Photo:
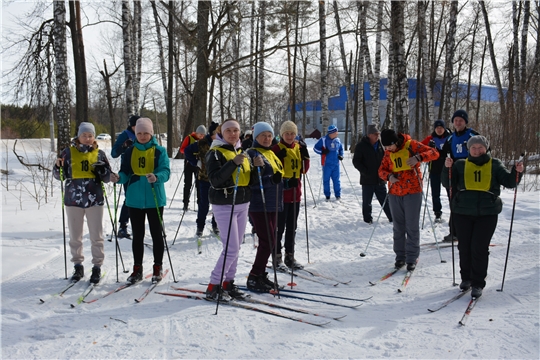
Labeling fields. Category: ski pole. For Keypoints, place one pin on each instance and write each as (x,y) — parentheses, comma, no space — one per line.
(305,212)
(310,189)
(425,206)
(116,202)
(182,218)
(115,213)
(350,182)
(163,231)
(363,254)
(113,225)
(511,224)
(228,233)
(451,223)
(63,218)
(267,227)
(175,190)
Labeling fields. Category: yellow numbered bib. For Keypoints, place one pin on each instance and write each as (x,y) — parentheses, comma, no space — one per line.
(477,177)
(272,159)
(292,163)
(399,158)
(81,163)
(142,161)
(245,169)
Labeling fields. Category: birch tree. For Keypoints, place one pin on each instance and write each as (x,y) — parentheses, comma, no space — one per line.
(323,69)
(260,116)
(127,34)
(426,69)
(401,85)
(449,63)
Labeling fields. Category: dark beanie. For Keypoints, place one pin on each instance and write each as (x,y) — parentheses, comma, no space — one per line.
(438,123)
(213,126)
(133,120)
(389,137)
(462,114)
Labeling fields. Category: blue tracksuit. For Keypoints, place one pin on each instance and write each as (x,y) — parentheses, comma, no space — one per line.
(330,163)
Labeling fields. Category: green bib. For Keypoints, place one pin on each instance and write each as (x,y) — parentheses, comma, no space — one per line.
(477,177)
(81,163)
(399,158)
(245,169)
(292,163)
(142,161)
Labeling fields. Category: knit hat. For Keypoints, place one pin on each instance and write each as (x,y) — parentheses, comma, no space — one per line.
(260,127)
(288,126)
(86,127)
(212,128)
(462,114)
(248,132)
(144,125)
(438,123)
(201,129)
(332,129)
(133,120)
(372,129)
(389,137)
(478,139)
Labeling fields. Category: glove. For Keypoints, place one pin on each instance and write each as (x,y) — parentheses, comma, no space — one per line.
(291,183)
(303,150)
(151,178)
(276,178)
(258,161)
(100,168)
(431,143)
(127,143)
(281,154)
(340,157)
(413,160)
(393,179)
(114,177)
(239,159)
(325,151)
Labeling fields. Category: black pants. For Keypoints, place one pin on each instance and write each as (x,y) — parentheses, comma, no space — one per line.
(137,217)
(190,172)
(124,213)
(474,234)
(367,197)
(287,223)
(204,205)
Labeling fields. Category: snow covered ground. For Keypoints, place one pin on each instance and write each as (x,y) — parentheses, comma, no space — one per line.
(389,325)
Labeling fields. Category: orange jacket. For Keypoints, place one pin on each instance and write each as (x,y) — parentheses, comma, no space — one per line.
(410,181)
(188,140)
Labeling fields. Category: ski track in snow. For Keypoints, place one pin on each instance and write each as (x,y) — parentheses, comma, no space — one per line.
(390,325)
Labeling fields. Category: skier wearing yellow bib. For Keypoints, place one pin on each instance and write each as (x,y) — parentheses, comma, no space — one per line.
(475,207)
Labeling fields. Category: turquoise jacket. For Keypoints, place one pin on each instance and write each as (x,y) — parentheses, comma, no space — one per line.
(139,193)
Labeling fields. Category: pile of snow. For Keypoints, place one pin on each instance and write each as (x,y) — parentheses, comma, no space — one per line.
(389,325)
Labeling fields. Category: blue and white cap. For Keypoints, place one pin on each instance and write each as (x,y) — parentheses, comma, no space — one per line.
(332,129)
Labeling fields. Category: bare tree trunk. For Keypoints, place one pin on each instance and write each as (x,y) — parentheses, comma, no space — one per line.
(346,70)
(449,63)
(401,88)
(524,37)
(170,79)
(61,73)
(390,87)
(324,71)
(494,61)
(479,94)
(426,68)
(376,84)
(236,79)
(127,33)
(252,67)
(107,80)
(161,53)
(471,61)
(81,82)
(137,53)
(295,57)
(260,83)
(200,90)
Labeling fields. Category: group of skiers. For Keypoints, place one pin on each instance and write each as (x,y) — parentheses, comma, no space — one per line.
(261,183)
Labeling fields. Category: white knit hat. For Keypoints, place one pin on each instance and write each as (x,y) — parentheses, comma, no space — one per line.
(144,125)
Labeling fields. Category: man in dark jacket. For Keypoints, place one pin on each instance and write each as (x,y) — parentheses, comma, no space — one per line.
(367,158)
(437,139)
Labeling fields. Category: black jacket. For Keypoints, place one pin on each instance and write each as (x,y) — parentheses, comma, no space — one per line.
(367,160)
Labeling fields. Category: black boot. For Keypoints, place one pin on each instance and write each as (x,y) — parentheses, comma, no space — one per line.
(78,273)
(136,275)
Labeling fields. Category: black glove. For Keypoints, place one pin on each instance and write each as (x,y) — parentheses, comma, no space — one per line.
(127,143)
(276,178)
(431,143)
(291,183)
(303,150)
(281,154)
(340,157)
(325,151)
(100,168)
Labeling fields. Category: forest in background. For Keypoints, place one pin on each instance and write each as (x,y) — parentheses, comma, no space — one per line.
(187,63)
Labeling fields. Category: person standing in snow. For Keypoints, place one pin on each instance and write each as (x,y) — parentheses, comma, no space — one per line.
(122,143)
(456,146)
(367,158)
(475,207)
(401,167)
(331,151)
(84,167)
(262,210)
(145,170)
(190,171)
(195,155)
(437,140)
(229,171)
(294,157)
